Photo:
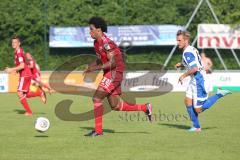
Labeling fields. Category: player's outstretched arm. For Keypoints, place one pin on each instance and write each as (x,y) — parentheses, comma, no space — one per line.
(111,64)
(93,66)
(14,69)
(179,65)
(95,63)
(188,73)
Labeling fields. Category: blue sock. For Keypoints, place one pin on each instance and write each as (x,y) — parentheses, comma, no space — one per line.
(194,116)
(210,101)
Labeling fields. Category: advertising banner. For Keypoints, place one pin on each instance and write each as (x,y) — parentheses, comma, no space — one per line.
(134,35)
(218,36)
(139,81)
(3,83)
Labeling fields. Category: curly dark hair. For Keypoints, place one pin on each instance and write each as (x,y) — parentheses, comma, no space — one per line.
(98,22)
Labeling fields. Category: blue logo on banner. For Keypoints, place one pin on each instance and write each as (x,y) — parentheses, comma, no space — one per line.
(2,88)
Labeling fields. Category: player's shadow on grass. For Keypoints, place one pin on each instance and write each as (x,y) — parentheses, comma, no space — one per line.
(110,130)
(178,126)
(41,136)
(205,128)
(20,111)
(181,126)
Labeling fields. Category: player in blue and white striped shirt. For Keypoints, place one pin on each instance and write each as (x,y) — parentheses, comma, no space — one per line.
(196,99)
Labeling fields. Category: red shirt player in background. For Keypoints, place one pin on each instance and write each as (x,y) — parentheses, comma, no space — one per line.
(110,60)
(25,76)
(36,74)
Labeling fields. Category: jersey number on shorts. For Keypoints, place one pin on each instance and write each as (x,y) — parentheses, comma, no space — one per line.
(105,82)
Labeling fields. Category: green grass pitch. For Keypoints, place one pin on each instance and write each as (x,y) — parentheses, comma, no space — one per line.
(126,136)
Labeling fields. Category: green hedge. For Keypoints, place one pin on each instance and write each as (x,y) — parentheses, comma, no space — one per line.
(30,18)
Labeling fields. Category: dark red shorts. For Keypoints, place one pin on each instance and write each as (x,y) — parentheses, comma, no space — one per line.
(111,82)
(24,84)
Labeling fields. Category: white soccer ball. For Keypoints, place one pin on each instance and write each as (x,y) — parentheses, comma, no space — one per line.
(42,124)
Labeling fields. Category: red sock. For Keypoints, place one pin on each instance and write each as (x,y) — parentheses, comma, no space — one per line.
(124,106)
(98,112)
(34,94)
(24,102)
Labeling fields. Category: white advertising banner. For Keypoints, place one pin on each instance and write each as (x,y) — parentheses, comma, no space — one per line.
(138,81)
(3,82)
(168,82)
(218,36)
(226,80)
(144,81)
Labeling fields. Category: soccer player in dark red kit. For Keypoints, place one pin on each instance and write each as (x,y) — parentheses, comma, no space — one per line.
(25,76)
(110,60)
(36,74)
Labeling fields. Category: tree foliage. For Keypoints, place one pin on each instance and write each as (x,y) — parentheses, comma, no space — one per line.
(28,19)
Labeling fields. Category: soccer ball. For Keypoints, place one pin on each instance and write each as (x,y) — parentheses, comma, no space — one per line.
(42,124)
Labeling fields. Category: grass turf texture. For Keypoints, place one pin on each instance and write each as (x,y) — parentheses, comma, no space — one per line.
(126,136)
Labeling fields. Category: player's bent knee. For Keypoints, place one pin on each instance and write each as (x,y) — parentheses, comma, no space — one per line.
(96,100)
(198,110)
(20,94)
(188,101)
(115,107)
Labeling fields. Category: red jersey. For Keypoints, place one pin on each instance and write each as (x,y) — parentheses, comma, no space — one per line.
(19,57)
(35,69)
(105,45)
